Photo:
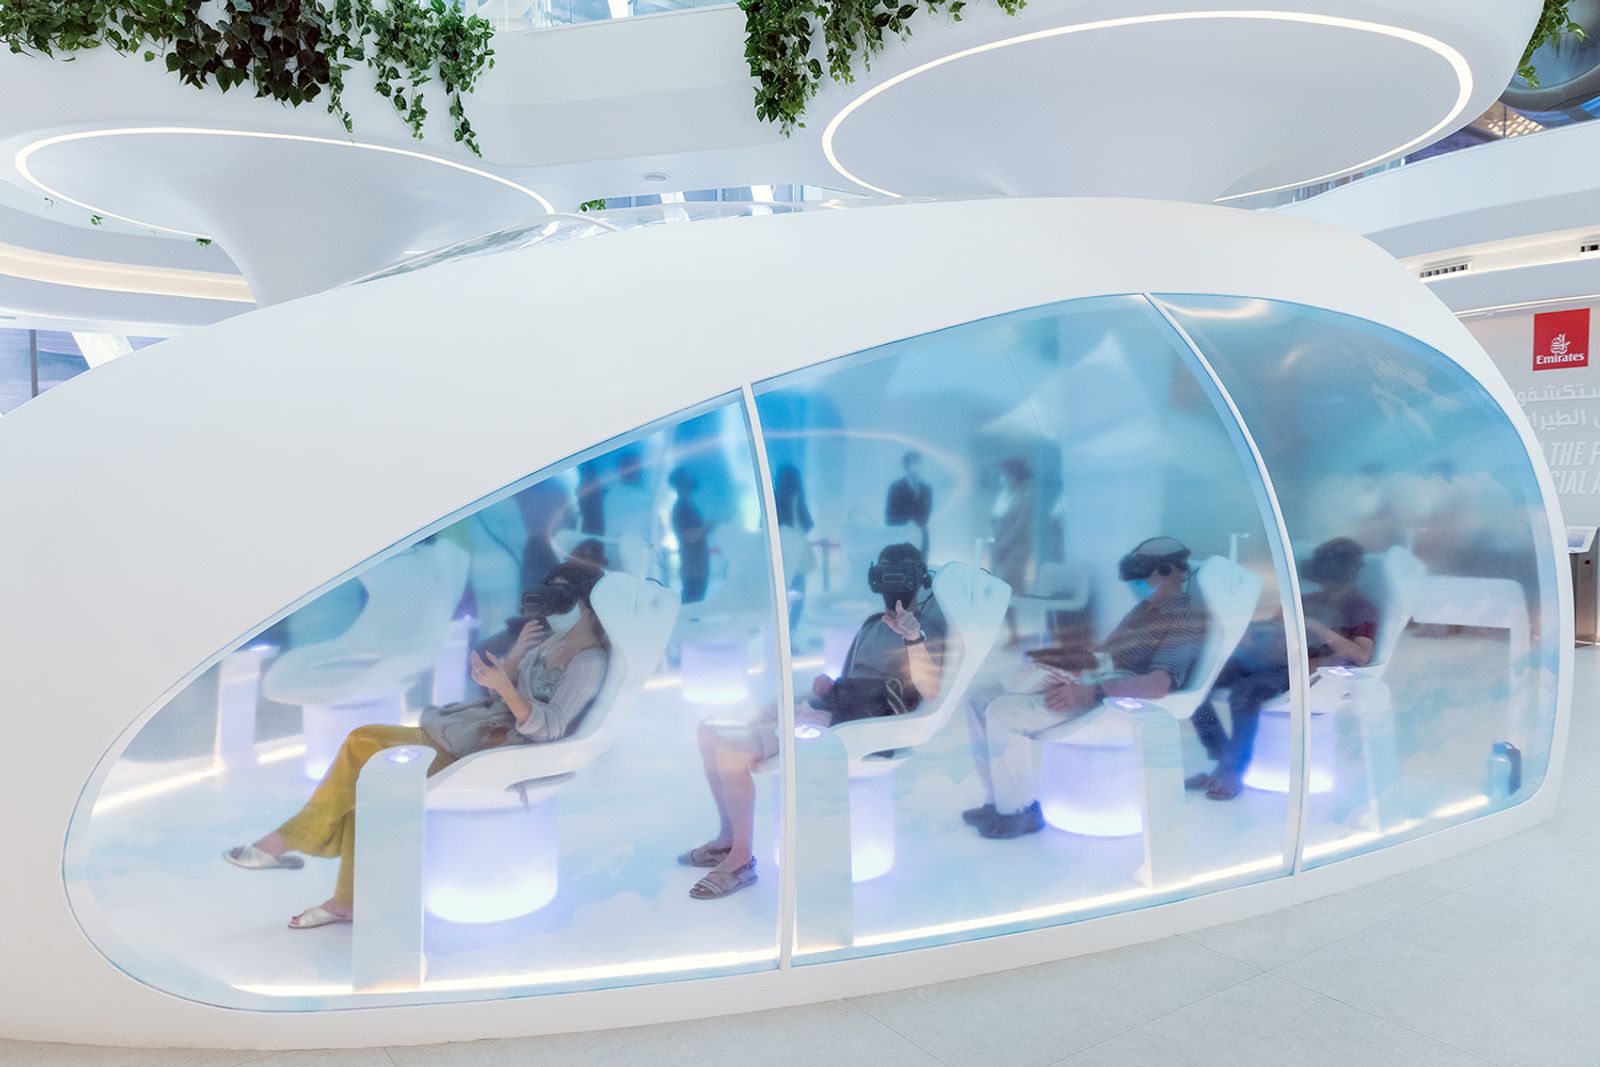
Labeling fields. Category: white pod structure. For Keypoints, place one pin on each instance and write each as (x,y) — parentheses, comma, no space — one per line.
(232,549)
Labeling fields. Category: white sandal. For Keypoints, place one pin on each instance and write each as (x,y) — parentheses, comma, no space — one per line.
(254,859)
(316,916)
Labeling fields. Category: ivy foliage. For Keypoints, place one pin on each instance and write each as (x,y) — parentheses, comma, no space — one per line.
(779,38)
(1555,22)
(592,205)
(293,51)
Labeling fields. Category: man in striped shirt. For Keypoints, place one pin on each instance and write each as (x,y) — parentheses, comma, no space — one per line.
(1150,653)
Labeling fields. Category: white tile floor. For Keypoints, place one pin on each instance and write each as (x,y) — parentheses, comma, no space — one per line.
(1492,957)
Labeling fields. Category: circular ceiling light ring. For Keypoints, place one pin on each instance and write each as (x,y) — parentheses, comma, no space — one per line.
(20,161)
(1449,54)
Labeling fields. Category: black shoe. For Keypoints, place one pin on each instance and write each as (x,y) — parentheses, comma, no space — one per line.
(1030,820)
(979,816)
(1196,782)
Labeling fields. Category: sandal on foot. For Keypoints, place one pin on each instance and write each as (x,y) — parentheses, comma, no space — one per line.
(1224,788)
(254,859)
(705,855)
(316,916)
(721,883)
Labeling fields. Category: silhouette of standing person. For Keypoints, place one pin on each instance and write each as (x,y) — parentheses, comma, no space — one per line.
(910,501)
(694,547)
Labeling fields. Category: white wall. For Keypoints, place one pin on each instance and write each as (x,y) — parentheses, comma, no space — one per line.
(1563,406)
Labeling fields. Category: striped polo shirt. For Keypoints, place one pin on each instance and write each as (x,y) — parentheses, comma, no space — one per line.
(1158,636)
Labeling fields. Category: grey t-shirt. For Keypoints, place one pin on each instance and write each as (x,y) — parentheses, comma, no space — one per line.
(879,654)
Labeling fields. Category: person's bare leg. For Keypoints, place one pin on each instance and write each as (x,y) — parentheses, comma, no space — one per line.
(709,744)
(344,911)
(739,799)
(273,844)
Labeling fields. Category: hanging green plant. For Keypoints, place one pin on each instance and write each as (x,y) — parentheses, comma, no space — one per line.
(1555,22)
(293,51)
(592,205)
(779,35)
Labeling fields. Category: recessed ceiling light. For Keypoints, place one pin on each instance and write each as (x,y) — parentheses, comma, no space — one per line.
(654,176)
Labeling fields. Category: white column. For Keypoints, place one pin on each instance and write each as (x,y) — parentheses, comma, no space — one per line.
(238,692)
(386,940)
(821,867)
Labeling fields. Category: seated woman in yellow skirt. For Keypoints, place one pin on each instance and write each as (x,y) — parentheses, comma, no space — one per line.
(539,691)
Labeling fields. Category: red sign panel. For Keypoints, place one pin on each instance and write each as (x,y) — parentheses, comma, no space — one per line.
(1561,340)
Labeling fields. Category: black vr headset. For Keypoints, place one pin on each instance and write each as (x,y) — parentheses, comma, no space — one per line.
(1157,556)
(900,572)
(555,598)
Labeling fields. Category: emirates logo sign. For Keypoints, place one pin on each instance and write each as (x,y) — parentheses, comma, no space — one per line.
(1561,340)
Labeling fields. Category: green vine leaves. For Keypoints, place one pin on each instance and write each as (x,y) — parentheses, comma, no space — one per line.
(1555,22)
(293,51)
(779,35)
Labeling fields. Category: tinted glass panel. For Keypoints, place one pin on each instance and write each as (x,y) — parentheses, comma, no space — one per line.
(558,728)
(1025,456)
(1410,501)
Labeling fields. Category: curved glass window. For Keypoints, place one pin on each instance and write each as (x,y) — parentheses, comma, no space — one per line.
(1376,441)
(549,818)
(1045,662)
(1099,545)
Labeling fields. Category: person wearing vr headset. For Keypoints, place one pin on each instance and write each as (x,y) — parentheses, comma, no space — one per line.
(1149,654)
(1342,630)
(541,688)
(892,666)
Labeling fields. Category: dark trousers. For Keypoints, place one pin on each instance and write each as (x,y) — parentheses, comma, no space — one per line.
(1248,689)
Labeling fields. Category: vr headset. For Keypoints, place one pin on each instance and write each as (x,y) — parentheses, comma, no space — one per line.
(556,598)
(900,577)
(1153,558)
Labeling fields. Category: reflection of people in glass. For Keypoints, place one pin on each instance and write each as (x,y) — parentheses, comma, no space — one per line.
(591,550)
(541,689)
(892,666)
(694,547)
(629,506)
(1341,628)
(1012,521)
(591,499)
(910,501)
(1149,654)
(545,508)
(794,528)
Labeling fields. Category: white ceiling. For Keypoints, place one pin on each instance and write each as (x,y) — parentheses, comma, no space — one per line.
(1169,98)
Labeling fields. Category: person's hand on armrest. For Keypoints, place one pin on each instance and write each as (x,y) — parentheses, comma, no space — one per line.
(1069,697)
(1152,686)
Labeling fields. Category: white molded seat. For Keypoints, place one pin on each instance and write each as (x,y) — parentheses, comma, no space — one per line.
(973,603)
(638,616)
(1229,594)
(1392,581)
(1140,739)
(492,852)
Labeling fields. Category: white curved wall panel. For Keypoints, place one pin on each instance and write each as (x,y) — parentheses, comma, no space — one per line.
(179,499)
